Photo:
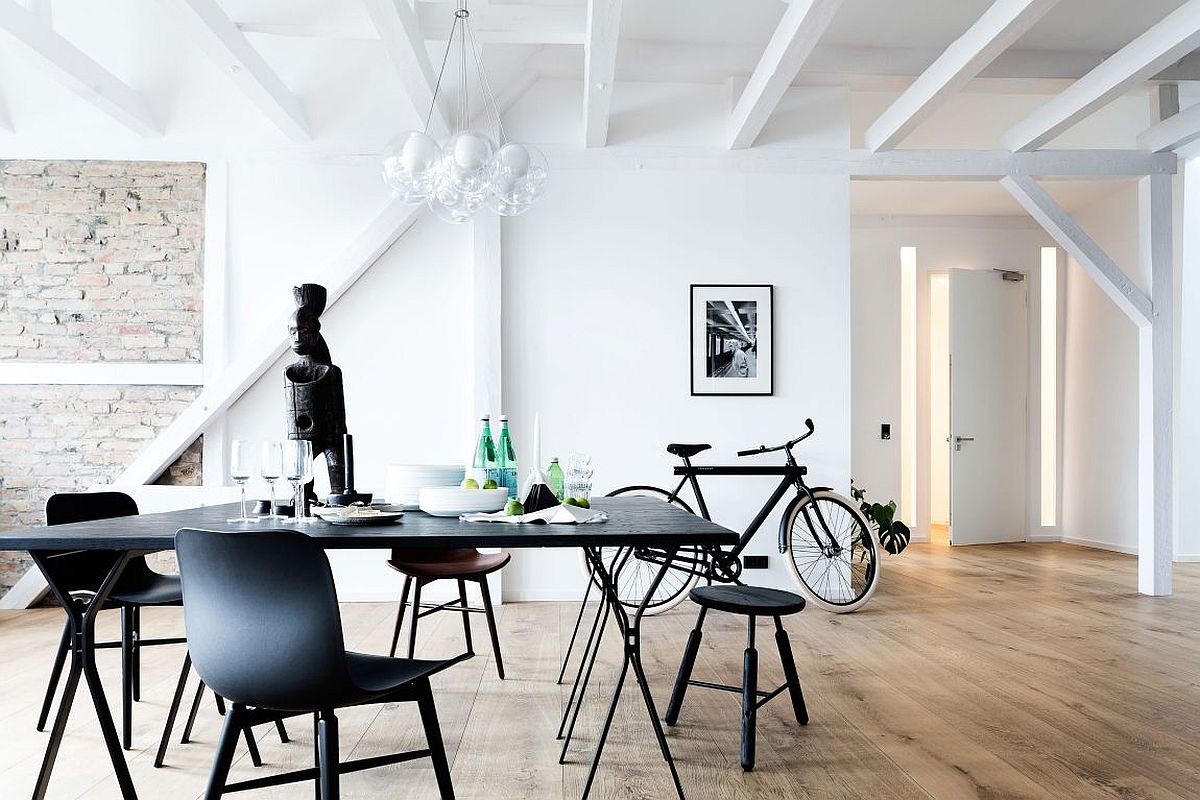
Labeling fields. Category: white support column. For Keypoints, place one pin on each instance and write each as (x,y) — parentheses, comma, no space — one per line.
(485,299)
(1156,386)
(599,68)
(215,330)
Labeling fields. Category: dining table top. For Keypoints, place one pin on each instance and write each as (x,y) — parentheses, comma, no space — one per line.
(632,521)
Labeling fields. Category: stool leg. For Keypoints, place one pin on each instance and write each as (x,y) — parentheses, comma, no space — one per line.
(789,672)
(400,614)
(490,614)
(749,698)
(416,614)
(685,670)
(466,615)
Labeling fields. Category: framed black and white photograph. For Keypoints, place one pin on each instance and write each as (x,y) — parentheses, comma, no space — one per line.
(731,339)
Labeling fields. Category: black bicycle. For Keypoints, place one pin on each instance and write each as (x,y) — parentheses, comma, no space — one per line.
(832,549)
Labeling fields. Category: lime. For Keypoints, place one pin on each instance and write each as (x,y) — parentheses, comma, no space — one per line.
(582,502)
(514,508)
(489,484)
(469,483)
(570,501)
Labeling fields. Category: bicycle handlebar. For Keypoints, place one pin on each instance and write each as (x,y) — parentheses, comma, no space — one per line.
(762,448)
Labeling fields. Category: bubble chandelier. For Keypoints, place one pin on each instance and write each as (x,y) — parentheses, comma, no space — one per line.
(471,170)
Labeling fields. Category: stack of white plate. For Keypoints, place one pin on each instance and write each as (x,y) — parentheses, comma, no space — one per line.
(405,481)
(450,501)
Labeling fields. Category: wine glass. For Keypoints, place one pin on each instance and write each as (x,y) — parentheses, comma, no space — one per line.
(241,457)
(270,469)
(298,469)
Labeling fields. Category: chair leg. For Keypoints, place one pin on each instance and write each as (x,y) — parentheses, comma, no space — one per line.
(789,673)
(466,615)
(282,731)
(127,638)
(220,703)
(675,704)
(60,658)
(400,614)
(173,712)
(749,698)
(490,614)
(191,720)
(223,758)
(416,615)
(136,678)
(327,739)
(252,746)
(433,734)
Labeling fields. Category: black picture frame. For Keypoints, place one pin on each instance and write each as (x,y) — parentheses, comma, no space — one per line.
(757,303)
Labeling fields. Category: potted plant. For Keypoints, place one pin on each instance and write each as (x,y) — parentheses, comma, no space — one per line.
(893,534)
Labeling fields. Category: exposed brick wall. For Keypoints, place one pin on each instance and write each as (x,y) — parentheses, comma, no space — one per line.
(99,261)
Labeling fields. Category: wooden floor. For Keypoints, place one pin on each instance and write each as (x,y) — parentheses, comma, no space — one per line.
(996,672)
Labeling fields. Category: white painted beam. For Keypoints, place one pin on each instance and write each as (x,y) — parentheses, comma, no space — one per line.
(798,32)
(1173,132)
(504,23)
(599,68)
(76,70)
(398,27)
(1002,24)
(257,355)
(207,24)
(1156,386)
(1162,45)
(1072,238)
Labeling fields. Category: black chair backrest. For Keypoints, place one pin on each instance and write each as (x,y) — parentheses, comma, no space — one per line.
(86,569)
(262,618)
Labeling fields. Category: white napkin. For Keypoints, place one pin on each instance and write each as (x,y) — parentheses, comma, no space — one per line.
(555,515)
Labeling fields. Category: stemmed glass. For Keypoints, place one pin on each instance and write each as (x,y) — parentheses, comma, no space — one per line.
(241,458)
(298,469)
(270,469)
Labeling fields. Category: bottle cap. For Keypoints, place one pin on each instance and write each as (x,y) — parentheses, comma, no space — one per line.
(485,418)
(554,460)
(504,417)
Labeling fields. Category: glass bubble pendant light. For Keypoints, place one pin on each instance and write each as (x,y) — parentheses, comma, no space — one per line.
(471,170)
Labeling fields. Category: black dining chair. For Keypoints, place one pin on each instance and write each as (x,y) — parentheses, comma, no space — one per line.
(138,587)
(264,631)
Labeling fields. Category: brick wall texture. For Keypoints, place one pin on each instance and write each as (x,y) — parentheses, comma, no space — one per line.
(99,261)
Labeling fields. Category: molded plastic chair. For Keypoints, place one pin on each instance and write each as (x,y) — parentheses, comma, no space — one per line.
(139,586)
(265,633)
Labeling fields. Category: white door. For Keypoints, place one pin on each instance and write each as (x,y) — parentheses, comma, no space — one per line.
(989,376)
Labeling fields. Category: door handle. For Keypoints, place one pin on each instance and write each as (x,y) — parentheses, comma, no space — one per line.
(958,440)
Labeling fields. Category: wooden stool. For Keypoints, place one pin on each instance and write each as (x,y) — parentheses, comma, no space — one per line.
(753,602)
(461,564)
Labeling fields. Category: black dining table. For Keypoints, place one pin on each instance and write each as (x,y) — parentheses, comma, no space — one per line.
(635,526)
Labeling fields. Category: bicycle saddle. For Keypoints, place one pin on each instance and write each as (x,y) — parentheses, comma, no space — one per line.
(687,450)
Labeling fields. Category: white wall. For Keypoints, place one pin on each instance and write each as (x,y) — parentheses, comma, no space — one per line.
(942,243)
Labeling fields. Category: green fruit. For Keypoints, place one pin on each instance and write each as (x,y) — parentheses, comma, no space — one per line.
(489,484)
(570,501)
(582,502)
(513,508)
(469,483)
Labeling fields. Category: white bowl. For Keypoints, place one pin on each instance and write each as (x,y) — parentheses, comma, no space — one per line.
(405,481)
(450,501)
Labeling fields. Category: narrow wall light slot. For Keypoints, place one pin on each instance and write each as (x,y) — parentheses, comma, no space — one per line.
(908,383)
(1049,388)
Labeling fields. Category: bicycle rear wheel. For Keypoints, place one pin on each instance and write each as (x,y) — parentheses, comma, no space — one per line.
(838,579)
(636,576)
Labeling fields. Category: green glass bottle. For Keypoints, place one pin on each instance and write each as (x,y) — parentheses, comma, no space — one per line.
(554,479)
(506,459)
(483,467)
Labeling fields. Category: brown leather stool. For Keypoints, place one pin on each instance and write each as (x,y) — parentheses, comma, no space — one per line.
(460,564)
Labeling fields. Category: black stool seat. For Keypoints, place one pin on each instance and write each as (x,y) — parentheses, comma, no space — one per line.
(687,450)
(755,600)
(153,590)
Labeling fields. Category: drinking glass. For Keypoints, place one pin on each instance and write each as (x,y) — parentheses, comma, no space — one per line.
(241,457)
(298,469)
(270,469)
(579,476)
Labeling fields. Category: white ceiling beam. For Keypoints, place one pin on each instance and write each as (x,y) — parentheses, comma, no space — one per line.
(207,24)
(76,70)
(798,32)
(599,68)
(1173,132)
(398,27)
(503,23)
(1004,22)
(1170,40)
(1111,279)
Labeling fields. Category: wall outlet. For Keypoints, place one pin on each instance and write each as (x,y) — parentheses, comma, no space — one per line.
(754,562)
(885,430)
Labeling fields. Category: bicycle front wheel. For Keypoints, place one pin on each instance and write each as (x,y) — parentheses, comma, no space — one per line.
(635,577)
(832,551)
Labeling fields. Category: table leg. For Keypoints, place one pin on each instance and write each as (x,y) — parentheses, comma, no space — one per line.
(632,657)
(83,663)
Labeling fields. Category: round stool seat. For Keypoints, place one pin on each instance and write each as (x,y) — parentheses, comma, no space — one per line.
(453,563)
(757,600)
